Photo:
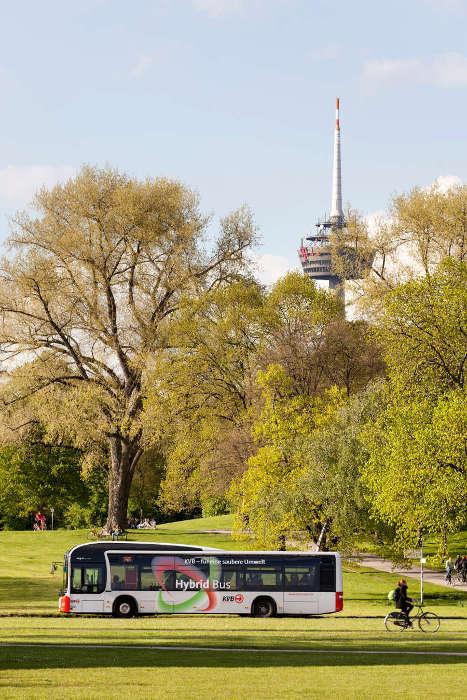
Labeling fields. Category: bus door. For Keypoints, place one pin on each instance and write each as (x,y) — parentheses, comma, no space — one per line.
(301,586)
(87,583)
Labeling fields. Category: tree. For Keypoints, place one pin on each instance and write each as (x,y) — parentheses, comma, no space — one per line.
(296,317)
(416,471)
(97,278)
(423,330)
(334,457)
(198,396)
(269,496)
(350,356)
(36,476)
(418,231)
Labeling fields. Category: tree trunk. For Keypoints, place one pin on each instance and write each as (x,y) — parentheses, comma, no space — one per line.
(124,456)
(321,543)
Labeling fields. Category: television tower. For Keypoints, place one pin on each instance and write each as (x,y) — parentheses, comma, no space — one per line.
(316,256)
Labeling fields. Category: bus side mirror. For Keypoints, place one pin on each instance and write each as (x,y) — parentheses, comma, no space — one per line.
(53,567)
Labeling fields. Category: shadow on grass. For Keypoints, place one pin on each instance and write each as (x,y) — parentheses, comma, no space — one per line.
(50,657)
(27,590)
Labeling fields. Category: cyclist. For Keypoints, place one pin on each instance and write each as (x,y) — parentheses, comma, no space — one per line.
(403,602)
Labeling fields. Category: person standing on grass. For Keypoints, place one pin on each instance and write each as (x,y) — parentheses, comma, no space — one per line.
(448,570)
(403,602)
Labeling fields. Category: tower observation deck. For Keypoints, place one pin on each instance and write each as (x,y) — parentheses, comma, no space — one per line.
(316,255)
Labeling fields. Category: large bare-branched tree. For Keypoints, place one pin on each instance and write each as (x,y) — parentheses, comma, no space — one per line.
(86,298)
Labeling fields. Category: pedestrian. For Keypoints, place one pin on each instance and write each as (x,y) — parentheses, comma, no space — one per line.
(448,570)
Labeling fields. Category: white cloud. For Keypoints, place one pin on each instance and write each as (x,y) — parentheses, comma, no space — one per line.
(378,71)
(450,70)
(444,183)
(374,220)
(219,8)
(143,63)
(269,268)
(445,70)
(19,183)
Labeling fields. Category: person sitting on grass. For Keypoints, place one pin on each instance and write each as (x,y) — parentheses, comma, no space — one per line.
(403,602)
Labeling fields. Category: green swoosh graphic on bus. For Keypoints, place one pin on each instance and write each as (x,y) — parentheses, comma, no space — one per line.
(185,605)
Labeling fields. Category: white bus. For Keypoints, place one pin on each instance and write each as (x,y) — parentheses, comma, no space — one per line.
(124,579)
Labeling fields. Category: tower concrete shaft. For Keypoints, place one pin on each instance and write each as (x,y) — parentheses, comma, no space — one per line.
(337,213)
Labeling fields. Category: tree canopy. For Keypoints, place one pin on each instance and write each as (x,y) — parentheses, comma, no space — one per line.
(89,294)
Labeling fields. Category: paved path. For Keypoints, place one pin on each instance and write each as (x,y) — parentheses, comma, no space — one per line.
(230,650)
(429,575)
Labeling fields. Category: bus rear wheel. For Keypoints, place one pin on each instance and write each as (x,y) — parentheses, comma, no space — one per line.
(124,606)
(263,607)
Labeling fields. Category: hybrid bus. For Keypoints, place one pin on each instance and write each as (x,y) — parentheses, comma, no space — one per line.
(124,579)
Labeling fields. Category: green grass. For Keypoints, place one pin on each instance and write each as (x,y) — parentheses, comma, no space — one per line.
(457,544)
(40,670)
(320,667)
(26,585)
(214,522)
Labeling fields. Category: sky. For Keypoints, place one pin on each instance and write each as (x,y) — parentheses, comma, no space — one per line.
(235,98)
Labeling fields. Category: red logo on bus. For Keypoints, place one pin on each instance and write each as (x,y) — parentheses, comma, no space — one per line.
(239,598)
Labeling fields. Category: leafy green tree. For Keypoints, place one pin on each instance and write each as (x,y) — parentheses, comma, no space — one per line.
(93,285)
(416,473)
(37,476)
(199,392)
(334,457)
(423,330)
(295,319)
(269,497)
(350,356)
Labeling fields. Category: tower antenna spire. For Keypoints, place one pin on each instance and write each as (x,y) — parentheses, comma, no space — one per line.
(337,213)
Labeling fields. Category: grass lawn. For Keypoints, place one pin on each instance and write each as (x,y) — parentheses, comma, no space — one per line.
(285,657)
(457,544)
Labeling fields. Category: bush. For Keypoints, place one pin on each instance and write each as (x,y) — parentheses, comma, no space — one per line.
(215,505)
(77,517)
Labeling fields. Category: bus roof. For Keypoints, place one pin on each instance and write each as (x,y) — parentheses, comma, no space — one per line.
(104,546)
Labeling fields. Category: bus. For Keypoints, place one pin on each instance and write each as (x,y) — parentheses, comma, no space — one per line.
(125,579)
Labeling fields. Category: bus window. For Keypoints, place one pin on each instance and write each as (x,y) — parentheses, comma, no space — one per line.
(123,573)
(328,574)
(302,578)
(88,578)
(266,578)
(195,572)
(229,579)
(148,581)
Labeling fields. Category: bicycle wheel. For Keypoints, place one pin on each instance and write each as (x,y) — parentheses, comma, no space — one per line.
(394,622)
(429,622)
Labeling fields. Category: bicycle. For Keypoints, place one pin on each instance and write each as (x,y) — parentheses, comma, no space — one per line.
(396,621)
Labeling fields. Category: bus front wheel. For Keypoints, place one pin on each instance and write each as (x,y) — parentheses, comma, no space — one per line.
(263,607)
(124,607)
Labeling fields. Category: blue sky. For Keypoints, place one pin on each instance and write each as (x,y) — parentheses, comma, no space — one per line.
(236,99)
